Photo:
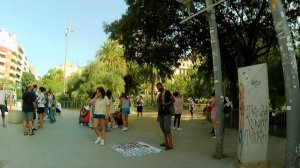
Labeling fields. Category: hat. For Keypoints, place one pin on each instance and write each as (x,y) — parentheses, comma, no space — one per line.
(86,107)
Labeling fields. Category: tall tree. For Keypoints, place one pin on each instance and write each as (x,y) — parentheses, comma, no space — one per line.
(26,79)
(151,34)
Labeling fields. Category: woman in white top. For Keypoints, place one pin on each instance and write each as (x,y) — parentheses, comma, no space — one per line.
(41,106)
(178,105)
(102,106)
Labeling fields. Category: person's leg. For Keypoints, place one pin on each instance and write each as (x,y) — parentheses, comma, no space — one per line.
(126,119)
(175,118)
(103,132)
(168,134)
(40,117)
(95,126)
(25,124)
(178,120)
(30,121)
(214,126)
(3,115)
(123,119)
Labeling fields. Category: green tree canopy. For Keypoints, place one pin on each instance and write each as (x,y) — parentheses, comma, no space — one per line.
(26,79)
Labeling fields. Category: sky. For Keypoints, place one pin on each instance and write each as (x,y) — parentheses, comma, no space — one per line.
(40,27)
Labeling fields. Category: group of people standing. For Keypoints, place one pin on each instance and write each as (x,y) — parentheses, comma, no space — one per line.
(41,102)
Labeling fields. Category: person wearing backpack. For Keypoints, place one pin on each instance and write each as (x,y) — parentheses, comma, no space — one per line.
(165,102)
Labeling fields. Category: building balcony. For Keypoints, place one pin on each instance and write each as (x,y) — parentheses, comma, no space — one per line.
(3,60)
(3,53)
(2,68)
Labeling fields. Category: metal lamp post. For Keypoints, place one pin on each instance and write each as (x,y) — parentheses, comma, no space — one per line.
(217,70)
(67,34)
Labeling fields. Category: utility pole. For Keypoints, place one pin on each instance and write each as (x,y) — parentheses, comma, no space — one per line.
(291,82)
(217,71)
(217,77)
(67,34)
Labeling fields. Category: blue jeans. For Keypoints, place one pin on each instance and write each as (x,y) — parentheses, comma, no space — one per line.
(52,115)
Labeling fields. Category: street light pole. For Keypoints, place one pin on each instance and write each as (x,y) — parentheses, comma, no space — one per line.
(217,78)
(67,34)
(217,70)
(291,82)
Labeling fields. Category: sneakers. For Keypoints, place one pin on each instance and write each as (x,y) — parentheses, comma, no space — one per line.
(179,129)
(115,126)
(174,128)
(98,140)
(102,142)
(125,129)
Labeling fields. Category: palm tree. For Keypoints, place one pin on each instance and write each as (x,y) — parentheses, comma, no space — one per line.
(112,54)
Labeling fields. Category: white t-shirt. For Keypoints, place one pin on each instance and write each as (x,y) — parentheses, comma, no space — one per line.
(100,106)
(59,106)
(178,105)
(3,93)
(41,100)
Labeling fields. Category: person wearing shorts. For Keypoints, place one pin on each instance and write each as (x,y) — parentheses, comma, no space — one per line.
(3,95)
(125,106)
(102,107)
(165,101)
(28,108)
(139,107)
(41,106)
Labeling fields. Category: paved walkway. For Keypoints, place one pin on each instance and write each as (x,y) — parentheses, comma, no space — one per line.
(66,144)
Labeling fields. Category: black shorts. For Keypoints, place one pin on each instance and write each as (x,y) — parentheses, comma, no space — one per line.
(3,109)
(41,110)
(139,109)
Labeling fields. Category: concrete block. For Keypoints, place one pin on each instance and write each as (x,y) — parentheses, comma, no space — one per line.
(15,116)
(238,164)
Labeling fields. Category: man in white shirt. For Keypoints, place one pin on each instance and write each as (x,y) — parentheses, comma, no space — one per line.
(3,95)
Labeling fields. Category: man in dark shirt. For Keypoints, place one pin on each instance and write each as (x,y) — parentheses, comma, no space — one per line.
(28,109)
(165,101)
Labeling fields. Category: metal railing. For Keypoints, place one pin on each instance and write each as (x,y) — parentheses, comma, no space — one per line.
(71,104)
(277,121)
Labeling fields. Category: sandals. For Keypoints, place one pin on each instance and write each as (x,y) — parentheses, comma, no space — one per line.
(169,147)
(162,144)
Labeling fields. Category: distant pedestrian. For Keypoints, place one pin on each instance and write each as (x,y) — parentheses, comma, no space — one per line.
(125,107)
(191,106)
(139,108)
(52,109)
(41,106)
(92,109)
(178,105)
(111,110)
(165,101)
(58,108)
(28,108)
(3,95)
(47,105)
(227,106)
(102,107)
(213,114)
(34,90)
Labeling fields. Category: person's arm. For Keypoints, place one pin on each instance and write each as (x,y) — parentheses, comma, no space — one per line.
(34,105)
(172,100)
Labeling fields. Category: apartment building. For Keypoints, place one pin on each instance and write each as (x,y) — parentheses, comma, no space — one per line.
(13,61)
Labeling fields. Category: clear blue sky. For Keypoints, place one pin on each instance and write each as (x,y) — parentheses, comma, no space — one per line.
(40,28)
